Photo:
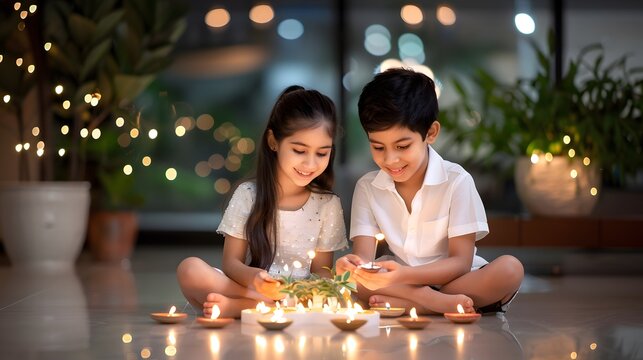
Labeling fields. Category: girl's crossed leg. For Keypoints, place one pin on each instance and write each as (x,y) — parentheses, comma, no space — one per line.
(204,286)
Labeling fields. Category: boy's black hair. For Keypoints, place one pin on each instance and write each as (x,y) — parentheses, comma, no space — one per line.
(398,97)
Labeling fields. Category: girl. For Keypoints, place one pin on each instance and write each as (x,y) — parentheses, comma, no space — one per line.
(286,222)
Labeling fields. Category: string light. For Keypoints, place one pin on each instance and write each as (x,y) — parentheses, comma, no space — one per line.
(147,161)
(566,139)
(96,133)
(171,174)
(153,133)
(84,132)
(64,129)
(549,157)
(33,8)
(573,173)
(571,153)
(586,161)
(1,58)
(133,133)
(35,131)
(40,152)
(58,89)
(593,191)
(66,104)
(6,98)
(40,145)
(120,121)
(23,14)
(179,131)
(16,6)
(61,152)
(534,158)
(127,169)
(19,148)
(47,46)
(26,146)
(19,62)
(31,68)
(88,98)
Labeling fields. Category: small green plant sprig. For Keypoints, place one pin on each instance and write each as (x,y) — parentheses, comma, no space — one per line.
(305,289)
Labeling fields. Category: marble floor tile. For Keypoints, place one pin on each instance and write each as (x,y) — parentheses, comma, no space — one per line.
(98,311)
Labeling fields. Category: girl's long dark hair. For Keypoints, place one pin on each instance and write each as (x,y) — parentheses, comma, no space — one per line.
(295,109)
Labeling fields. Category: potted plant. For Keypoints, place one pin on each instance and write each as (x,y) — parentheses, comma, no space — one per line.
(567,137)
(79,63)
(317,289)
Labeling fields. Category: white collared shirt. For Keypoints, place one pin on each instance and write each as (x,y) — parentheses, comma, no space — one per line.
(447,205)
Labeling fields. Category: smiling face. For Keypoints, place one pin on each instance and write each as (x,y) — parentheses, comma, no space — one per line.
(402,153)
(302,156)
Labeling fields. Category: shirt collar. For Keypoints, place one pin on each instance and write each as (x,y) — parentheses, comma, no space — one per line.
(435,173)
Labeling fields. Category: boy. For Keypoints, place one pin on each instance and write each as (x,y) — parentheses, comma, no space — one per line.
(427,208)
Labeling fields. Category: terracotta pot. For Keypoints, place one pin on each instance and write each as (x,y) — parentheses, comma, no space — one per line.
(112,235)
(548,188)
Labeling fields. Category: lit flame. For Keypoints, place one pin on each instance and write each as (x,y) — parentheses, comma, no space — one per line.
(358,308)
(311,254)
(413,313)
(300,308)
(172,310)
(388,306)
(278,316)
(262,308)
(460,309)
(310,304)
(215,312)
(379,236)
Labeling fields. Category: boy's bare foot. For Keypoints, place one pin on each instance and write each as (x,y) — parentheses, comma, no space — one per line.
(230,307)
(395,302)
(431,302)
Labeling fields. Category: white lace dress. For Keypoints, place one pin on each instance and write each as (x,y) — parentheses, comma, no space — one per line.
(318,225)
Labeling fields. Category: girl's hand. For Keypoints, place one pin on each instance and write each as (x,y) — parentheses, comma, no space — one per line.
(347,263)
(393,273)
(267,285)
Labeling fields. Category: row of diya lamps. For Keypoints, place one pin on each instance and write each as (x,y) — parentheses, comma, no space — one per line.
(347,323)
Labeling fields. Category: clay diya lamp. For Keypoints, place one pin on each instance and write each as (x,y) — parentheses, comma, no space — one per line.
(414,322)
(214,322)
(348,324)
(389,311)
(370,267)
(461,317)
(276,322)
(171,317)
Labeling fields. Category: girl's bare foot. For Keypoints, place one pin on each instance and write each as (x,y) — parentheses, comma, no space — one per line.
(229,307)
(431,302)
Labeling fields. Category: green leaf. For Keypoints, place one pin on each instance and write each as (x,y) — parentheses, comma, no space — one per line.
(107,25)
(128,87)
(94,57)
(81,29)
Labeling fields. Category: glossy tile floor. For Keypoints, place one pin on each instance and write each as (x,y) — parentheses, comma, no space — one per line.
(94,311)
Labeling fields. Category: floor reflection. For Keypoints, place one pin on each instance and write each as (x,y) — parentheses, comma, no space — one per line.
(43,312)
(100,311)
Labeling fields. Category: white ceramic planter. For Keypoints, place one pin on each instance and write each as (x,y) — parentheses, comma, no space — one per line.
(547,187)
(44,223)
